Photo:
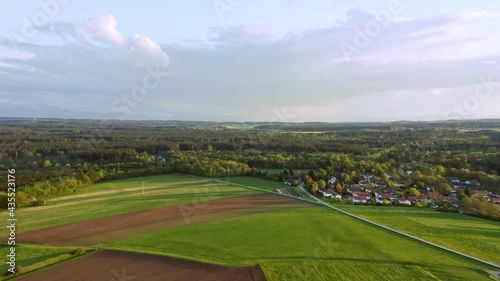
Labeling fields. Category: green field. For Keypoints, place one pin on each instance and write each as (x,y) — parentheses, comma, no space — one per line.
(28,254)
(267,185)
(308,244)
(313,243)
(474,236)
(108,199)
(255,182)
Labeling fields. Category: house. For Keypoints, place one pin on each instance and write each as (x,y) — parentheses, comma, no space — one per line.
(482,192)
(384,196)
(409,173)
(291,179)
(495,200)
(336,195)
(333,180)
(328,193)
(363,183)
(360,197)
(414,199)
(404,201)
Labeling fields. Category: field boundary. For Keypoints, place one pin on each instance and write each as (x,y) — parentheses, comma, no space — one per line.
(320,202)
(400,232)
(132,266)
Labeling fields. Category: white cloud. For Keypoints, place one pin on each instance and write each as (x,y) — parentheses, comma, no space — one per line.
(148,52)
(412,67)
(104,28)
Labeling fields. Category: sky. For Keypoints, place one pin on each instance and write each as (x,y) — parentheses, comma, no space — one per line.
(242,60)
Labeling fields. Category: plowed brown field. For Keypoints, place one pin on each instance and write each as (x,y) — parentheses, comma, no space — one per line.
(120,266)
(96,231)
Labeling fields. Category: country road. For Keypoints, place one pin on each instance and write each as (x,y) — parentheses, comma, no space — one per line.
(320,202)
(301,186)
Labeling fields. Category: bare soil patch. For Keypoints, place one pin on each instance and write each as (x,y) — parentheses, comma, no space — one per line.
(116,265)
(96,231)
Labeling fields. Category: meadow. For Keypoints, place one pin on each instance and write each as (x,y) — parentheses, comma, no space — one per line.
(311,243)
(124,196)
(255,182)
(474,236)
(30,254)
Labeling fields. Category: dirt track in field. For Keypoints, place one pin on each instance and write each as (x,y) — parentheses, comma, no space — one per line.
(115,265)
(121,190)
(97,231)
(100,193)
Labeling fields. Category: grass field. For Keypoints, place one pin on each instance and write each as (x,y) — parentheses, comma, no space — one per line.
(113,198)
(267,185)
(474,236)
(308,244)
(255,182)
(28,254)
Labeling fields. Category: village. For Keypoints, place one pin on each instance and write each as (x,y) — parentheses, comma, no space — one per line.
(371,190)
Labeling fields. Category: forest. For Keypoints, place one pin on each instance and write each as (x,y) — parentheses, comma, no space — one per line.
(54,156)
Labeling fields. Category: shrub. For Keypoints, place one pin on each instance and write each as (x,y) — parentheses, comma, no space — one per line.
(39,203)
(79,251)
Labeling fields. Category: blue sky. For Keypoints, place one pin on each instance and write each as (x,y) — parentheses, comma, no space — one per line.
(241,60)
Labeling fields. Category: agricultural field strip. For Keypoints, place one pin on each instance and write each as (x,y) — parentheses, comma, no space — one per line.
(117,190)
(123,196)
(97,209)
(100,265)
(319,201)
(91,232)
(263,190)
(275,240)
(400,232)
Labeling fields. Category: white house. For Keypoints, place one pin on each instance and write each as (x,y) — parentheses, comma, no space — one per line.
(404,202)
(326,192)
(332,180)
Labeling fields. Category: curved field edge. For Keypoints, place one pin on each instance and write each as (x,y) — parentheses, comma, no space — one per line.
(308,242)
(127,265)
(177,189)
(31,258)
(475,236)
